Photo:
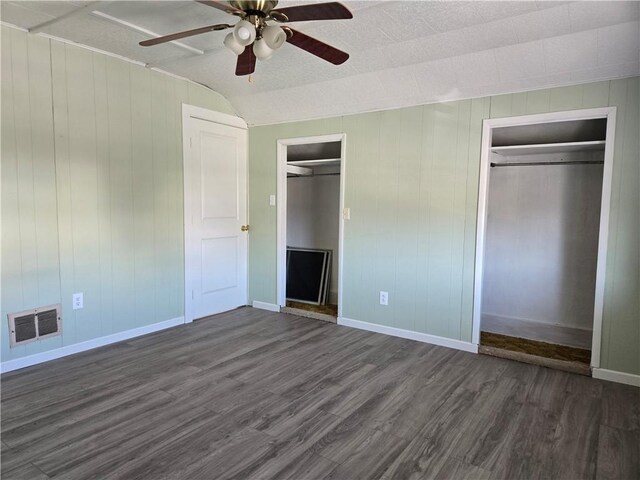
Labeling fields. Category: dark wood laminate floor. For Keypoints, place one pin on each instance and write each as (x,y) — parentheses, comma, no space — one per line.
(255,394)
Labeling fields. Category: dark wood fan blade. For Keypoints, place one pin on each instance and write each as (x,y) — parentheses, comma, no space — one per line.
(224,6)
(187,33)
(317,48)
(316,11)
(246,62)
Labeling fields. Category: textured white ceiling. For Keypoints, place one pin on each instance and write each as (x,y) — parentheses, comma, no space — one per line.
(402,53)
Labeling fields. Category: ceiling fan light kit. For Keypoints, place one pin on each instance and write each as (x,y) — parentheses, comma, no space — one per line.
(264,39)
(244,33)
(274,36)
(261,50)
(271,38)
(232,44)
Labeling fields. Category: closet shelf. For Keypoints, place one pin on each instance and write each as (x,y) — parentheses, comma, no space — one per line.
(317,162)
(549,148)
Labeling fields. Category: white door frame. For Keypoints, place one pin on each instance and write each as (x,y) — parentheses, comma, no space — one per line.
(189,112)
(281,237)
(487,126)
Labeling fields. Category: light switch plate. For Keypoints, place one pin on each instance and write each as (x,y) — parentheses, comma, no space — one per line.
(272,200)
(346,213)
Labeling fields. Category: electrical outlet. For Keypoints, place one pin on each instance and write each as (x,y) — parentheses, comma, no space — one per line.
(346,213)
(384,298)
(78,301)
(272,200)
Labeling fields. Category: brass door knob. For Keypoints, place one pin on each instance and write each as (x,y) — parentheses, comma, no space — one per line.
(244,228)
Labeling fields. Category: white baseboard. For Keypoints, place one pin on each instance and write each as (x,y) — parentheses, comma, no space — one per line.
(272,307)
(411,335)
(23,362)
(618,377)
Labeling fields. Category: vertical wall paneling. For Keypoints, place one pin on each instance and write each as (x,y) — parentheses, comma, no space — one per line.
(441,246)
(159,175)
(362,156)
(458,228)
(386,219)
(520,103)
(423,228)
(178,96)
(408,189)
(46,227)
(500,106)
(103,193)
(24,166)
(63,187)
(596,94)
(262,251)
(80,132)
(538,101)
(621,334)
(122,233)
(565,98)
(145,282)
(618,94)
(412,186)
(82,183)
(91,188)
(12,298)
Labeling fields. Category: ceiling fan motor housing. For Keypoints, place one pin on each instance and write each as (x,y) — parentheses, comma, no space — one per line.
(255,7)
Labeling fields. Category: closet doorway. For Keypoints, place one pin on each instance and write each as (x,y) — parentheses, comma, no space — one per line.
(310,224)
(543,218)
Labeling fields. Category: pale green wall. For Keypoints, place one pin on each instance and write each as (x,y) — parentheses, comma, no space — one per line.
(91,188)
(412,186)
(92,199)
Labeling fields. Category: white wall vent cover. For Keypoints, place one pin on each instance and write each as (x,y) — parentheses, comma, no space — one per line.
(30,325)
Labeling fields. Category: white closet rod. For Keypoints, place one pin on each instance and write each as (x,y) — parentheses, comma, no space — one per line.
(313,175)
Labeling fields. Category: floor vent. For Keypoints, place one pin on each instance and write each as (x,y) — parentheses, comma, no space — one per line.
(35,324)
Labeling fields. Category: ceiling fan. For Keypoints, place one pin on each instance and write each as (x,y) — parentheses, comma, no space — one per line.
(253,38)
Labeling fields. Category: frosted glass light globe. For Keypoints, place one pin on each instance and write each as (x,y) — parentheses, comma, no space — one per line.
(244,32)
(261,50)
(274,36)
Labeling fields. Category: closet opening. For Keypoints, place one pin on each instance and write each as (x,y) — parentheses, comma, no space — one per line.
(310,226)
(545,187)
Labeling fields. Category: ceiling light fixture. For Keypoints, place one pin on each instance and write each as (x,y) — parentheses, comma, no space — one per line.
(231,43)
(266,39)
(244,33)
(261,50)
(270,39)
(274,36)
(263,39)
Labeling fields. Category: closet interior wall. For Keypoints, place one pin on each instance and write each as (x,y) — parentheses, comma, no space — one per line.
(313,215)
(542,246)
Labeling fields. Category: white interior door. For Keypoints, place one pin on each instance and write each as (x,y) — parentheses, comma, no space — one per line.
(215,215)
